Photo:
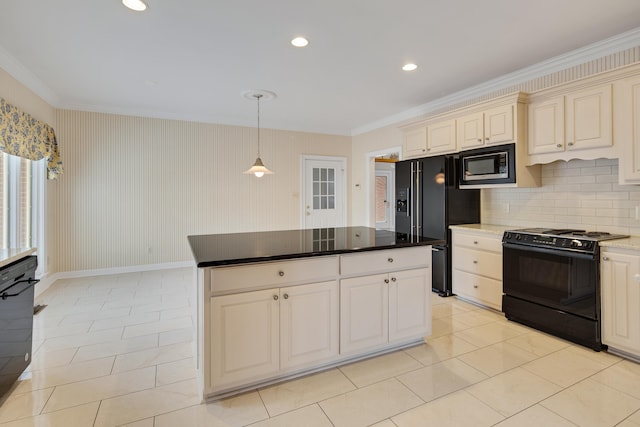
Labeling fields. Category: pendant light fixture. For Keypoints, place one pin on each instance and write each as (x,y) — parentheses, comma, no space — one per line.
(258,168)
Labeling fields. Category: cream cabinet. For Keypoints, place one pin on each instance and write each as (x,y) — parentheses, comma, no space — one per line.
(477,267)
(256,335)
(428,140)
(493,126)
(441,137)
(414,142)
(385,298)
(620,300)
(627,128)
(380,309)
(576,121)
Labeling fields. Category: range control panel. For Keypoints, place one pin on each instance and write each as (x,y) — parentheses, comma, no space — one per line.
(555,242)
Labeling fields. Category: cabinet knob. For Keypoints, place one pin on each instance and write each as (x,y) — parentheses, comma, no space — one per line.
(393,279)
(390,259)
(475,242)
(559,145)
(475,286)
(475,262)
(423,150)
(605,258)
(386,280)
(285,296)
(487,139)
(570,144)
(479,139)
(275,297)
(281,273)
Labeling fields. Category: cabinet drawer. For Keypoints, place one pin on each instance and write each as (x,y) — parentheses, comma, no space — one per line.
(484,263)
(385,260)
(481,289)
(273,274)
(477,242)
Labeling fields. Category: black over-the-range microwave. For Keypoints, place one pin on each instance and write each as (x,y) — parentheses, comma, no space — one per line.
(488,166)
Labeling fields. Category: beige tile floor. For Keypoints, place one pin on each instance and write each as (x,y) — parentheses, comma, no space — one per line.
(117,351)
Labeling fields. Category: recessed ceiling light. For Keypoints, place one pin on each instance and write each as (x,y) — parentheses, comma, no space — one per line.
(300,42)
(409,67)
(137,5)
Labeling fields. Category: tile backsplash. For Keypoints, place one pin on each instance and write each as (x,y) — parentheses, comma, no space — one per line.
(577,194)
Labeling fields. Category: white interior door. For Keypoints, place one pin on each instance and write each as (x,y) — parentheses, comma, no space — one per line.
(324,188)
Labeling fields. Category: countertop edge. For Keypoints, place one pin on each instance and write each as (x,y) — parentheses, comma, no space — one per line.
(8,256)
(484,228)
(240,261)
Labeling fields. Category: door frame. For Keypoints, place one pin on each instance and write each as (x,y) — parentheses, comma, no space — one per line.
(391,184)
(303,175)
(371,181)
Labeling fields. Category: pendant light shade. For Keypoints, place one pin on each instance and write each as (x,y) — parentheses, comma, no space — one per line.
(258,169)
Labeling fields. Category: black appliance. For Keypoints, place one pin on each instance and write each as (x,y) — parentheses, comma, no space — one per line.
(551,281)
(428,201)
(16,319)
(488,166)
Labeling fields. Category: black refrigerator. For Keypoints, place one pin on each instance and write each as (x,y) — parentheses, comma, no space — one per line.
(428,201)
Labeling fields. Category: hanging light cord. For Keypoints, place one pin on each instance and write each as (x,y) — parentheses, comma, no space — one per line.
(258,96)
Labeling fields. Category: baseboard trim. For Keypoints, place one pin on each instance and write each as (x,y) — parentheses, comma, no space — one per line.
(49,279)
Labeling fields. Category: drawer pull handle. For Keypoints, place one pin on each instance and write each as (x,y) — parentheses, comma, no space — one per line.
(281,273)
(393,279)
(390,259)
(386,280)
(285,296)
(275,297)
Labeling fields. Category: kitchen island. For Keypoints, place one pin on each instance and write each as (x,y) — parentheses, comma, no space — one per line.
(280,304)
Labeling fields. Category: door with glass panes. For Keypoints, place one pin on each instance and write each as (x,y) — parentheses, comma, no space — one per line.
(324,192)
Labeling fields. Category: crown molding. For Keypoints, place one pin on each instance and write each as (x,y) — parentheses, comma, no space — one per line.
(27,78)
(576,57)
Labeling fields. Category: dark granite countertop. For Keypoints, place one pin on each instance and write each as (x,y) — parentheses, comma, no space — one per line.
(212,250)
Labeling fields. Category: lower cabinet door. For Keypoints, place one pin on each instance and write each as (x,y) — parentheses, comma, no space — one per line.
(309,326)
(409,304)
(621,301)
(364,308)
(244,337)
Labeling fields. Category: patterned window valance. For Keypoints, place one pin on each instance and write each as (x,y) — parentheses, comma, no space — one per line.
(22,135)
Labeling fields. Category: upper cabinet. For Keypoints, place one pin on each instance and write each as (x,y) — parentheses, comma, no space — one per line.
(429,140)
(414,142)
(498,121)
(494,126)
(575,125)
(441,137)
(627,128)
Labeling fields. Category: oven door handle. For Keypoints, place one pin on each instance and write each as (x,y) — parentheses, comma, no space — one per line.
(4,294)
(562,252)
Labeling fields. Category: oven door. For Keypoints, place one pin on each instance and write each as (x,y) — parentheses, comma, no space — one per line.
(559,279)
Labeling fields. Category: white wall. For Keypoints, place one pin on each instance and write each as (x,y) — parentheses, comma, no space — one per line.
(134,188)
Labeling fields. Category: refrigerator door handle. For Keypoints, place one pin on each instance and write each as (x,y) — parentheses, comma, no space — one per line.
(412,202)
(435,249)
(418,224)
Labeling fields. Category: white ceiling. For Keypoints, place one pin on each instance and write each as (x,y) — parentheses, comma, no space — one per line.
(192,59)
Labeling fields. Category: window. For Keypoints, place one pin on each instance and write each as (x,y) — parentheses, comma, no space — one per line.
(21,195)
